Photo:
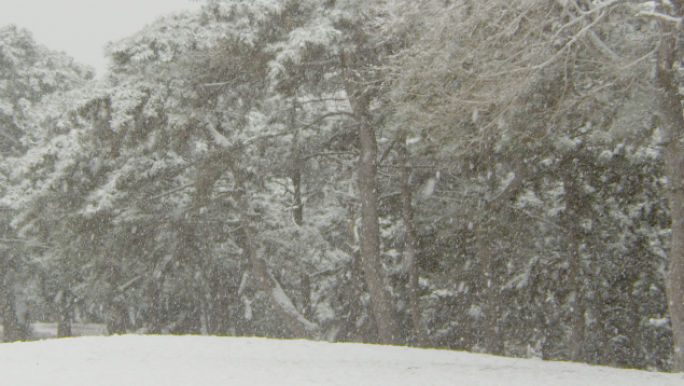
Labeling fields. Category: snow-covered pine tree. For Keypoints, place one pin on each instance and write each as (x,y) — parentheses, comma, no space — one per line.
(29,73)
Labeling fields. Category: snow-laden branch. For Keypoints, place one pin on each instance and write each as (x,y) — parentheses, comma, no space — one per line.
(305,127)
(129,283)
(220,139)
(28,243)
(677,21)
(600,7)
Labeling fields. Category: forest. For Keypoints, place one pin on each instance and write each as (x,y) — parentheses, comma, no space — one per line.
(496,176)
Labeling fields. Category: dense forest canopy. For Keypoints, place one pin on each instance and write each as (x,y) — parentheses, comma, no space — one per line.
(493,176)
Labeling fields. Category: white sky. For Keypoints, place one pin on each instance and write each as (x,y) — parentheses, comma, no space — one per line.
(81,28)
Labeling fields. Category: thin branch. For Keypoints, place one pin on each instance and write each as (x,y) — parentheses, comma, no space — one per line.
(329,153)
(530,215)
(634,63)
(602,46)
(28,243)
(129,283)
(677,21)
(409,166)
(172,191)
(305,127)
(320,62)
(576,38)
(512,187)
(387,151)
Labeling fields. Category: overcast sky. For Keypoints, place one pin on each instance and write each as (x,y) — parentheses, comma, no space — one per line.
(81,28)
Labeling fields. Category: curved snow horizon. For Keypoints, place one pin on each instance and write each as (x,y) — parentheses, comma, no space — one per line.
(202,360)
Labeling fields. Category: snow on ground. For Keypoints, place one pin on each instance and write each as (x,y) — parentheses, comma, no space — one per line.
(129,360)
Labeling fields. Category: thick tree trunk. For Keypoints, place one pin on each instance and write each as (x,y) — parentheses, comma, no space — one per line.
(672,128)
(358,328)
(381,300)
(295,322)
(410,235)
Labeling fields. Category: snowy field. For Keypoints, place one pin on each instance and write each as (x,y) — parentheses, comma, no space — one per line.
(199,360)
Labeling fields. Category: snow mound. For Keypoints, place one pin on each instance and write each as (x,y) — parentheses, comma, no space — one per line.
(201,360)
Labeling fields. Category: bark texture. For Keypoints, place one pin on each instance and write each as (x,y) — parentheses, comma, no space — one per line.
(410,234)
(672,128)
(381,300)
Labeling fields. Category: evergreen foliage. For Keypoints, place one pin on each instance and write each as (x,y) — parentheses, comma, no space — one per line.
(488,176)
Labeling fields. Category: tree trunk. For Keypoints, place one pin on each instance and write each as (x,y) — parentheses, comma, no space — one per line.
(492,336)
(297,172)
(297,182)
(296,322)
(116,317)
(221,293)
(574,272)
(410,235)
(64,313)
(493,341)
(243,319)
(672,127)
(13,330)
(305,284)
(357,315)
(157,316)
(381,300)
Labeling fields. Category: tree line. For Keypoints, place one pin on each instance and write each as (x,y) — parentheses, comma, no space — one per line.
(500,177)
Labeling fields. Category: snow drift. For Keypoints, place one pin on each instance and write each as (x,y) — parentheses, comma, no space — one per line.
(201,360)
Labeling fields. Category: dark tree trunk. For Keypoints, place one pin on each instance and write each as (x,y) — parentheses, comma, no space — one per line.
(672,127)
(357,315)
(381,300)
(219,309)
(13,329)
(116,314)
(297,172)
(305,284)
(410,235)
(297,182)
(370,235)
(64,313)
(156,317)
(574,275)
(492,335)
